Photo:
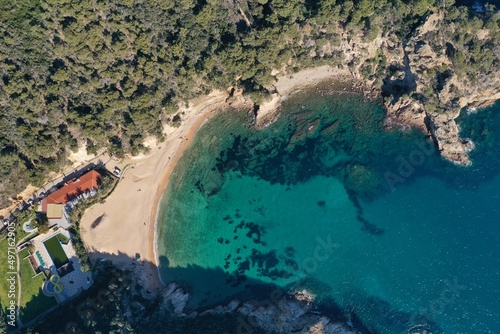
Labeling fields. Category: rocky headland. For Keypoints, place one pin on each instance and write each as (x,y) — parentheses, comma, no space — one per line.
(421,78)
(294,313)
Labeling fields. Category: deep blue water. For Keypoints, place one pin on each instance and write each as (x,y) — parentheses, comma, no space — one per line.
(372,221)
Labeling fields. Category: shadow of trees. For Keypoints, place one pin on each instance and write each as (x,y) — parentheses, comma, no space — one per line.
(38,304)
(96,222)
(118,302)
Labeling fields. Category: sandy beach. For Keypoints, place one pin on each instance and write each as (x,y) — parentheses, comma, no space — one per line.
(289,84)
(126,221)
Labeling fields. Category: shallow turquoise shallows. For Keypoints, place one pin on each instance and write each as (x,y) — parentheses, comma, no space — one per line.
(373,222)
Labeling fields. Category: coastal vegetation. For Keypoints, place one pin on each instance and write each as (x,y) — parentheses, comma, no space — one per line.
(107,74)
(4,284)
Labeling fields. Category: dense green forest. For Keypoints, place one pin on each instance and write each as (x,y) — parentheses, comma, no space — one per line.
(109,72)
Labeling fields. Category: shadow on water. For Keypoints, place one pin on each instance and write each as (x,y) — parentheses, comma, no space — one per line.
(323,136)
(151,316)
(86,313)
(208,286)
(213,286)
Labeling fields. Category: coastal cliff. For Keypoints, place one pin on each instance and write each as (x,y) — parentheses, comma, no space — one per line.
(431,64)
(421,76)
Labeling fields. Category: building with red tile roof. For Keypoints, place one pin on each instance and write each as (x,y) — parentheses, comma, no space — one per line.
(73,189)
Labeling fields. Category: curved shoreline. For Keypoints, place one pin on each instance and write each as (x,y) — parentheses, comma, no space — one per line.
(285,86)
(129,217)
(162,186)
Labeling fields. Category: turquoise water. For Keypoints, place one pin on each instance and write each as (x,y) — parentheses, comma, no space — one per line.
(374,222)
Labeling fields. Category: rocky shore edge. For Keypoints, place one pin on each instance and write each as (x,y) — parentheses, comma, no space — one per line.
(288,313)
(338,82)
(405,113)
(417,81)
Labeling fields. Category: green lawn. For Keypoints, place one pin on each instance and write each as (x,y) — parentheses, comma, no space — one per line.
(4,268)
(56,251)
(33,301)
(22,254)
(20,233)
(62,238)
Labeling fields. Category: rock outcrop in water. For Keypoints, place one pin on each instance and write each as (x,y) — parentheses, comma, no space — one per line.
(426,78)
(430,62)
(289,314)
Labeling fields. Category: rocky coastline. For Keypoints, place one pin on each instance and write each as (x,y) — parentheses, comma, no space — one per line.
(290,313)
(417,81)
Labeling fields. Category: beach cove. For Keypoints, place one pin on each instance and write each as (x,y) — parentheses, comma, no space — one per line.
(123,233)
(373,222)
(197,256)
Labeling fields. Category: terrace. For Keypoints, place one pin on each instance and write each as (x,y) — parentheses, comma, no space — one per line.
(59,258)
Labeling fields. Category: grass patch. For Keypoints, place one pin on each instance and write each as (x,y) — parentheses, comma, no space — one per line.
(4,268)
(23,218)
(22,254)
(33,301)
(56,251)
(62,238)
